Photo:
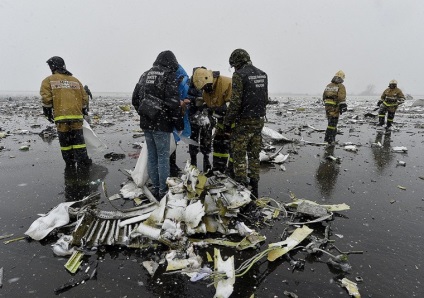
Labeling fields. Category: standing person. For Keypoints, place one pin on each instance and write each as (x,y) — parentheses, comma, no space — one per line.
(183,86)
(216,93)
(334,98)
(64,103)
(247,110)
(391,98)
(90,96)
(201,122)
(157,101)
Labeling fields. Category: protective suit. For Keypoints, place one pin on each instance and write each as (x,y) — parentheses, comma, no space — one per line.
(202,122)
(391,98)
(334,98)
(216,93)
(64,100)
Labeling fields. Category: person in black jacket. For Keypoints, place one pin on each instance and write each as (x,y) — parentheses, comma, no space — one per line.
(247,111)
(156,99)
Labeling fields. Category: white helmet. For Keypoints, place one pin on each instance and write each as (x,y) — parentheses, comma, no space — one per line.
(393,82)
(340,74)
(201,77)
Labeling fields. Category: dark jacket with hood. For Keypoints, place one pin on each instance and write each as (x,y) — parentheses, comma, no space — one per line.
(160,82)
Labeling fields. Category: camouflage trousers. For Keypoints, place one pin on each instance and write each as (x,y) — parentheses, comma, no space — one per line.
(246,139)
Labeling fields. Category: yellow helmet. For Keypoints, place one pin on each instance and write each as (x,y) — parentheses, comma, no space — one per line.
(201,77)
(340,74)
(393,82)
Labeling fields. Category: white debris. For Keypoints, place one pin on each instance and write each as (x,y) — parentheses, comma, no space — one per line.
(193,214)
(400,149)
(401,163)
(62,246)
(131,191)
(376,145)
(351,148)
(224,287)
(242,229)
(280,158)
(273,134)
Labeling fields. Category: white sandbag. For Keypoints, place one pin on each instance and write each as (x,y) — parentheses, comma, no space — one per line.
(92,141)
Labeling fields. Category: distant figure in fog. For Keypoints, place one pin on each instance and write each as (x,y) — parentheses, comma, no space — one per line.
(391,98)
(157,101)
(90,96)
(64,103)
(334,98)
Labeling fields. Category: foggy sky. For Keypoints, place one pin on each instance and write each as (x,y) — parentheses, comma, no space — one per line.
(108,44)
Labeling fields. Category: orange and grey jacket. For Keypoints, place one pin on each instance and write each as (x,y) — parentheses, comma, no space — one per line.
(66,95)
(392,97)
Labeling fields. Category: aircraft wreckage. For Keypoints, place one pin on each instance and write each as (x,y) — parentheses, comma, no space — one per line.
(182,222)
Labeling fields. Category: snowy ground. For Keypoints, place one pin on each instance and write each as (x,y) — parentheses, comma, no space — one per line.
(385,220)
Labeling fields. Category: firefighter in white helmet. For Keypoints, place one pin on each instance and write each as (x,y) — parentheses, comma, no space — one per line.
(334,98)
(391,98)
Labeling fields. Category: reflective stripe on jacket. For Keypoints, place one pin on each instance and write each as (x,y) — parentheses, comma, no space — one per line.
(66,95)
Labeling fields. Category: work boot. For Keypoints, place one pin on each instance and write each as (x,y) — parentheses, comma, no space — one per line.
(85,162)
(254,188)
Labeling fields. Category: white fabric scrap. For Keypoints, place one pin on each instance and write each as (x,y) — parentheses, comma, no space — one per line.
(92,141)
(42,226)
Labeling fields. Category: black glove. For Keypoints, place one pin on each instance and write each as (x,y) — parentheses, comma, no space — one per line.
(48,112)
(85,111)
(379,103)
(343,108)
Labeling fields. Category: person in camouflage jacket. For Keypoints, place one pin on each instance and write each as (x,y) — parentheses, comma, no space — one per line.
(246,111)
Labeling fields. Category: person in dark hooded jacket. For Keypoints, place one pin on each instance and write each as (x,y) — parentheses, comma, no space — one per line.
(156,99)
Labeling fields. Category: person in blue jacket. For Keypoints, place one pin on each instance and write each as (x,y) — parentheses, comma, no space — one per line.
(183,86)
